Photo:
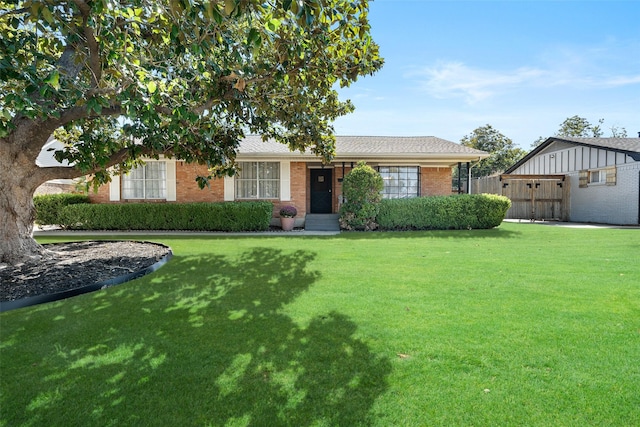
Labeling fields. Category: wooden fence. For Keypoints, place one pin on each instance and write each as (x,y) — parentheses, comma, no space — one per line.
(533,197)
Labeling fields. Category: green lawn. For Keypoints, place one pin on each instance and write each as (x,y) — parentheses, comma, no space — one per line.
(520,325)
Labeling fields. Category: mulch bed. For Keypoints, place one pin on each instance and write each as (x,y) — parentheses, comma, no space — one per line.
(74,265)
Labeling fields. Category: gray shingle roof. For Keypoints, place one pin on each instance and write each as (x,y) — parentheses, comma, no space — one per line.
(619,144)
(400,145)
(371,146)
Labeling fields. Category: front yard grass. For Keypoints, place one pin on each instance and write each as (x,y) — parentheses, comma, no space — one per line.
(519,325)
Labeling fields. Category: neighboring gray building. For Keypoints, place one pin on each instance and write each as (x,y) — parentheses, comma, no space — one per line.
(603,176)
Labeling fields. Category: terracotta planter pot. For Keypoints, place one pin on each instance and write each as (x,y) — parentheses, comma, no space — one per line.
(287,223)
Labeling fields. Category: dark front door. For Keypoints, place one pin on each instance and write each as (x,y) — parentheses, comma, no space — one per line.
(321,191)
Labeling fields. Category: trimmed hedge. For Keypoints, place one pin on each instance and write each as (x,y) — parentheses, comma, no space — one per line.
(465,211)
(226,216)
(49,206)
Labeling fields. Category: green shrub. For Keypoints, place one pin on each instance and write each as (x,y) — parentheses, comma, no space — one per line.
(475,211)
(49,206)
(362,189)
(226,216)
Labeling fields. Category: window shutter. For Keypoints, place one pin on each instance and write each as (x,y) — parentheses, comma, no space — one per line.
(114,188)
(229,189)
(611,175)
(583,178)
(285,180)
(171,180)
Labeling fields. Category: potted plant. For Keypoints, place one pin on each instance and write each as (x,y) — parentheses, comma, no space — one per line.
(288,217)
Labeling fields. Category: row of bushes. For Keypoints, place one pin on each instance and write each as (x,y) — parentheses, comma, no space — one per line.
(49,206)
(364,208)
(224,216)
(476,211)
(465,211)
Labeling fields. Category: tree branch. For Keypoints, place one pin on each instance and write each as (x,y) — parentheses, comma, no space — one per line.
(70,172)
(77,113)
(92,43)
(14,12)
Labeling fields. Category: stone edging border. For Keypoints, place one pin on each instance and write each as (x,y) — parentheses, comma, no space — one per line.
(41,299)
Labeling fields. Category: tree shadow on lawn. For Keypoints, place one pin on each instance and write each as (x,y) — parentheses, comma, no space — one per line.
(203,341)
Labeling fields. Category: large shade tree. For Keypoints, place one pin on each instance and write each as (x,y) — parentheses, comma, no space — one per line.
(503,151)
(118,80)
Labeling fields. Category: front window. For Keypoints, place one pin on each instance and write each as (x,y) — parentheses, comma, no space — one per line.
(258,180)
(400,181)
(147,181)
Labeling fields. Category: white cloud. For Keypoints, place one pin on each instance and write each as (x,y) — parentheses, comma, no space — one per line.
(458,80)
(455,79)
(616,81)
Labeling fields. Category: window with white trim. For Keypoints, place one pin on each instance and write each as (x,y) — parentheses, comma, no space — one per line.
(258,180)
(148,181)
(598,176)
(400,181)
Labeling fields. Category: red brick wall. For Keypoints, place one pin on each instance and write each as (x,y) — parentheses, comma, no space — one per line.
(187,189)
(101,196)
(435,181)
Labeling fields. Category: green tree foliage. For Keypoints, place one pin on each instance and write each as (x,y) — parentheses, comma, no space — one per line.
(580,127)
(362,189)
(120,80)
(618,132)
(503,152)
(538,141)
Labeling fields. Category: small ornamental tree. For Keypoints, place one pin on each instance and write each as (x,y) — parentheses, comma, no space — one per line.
(362,189)
(118,81)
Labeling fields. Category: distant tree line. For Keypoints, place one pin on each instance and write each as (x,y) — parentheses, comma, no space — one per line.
(580,127)
(504,153)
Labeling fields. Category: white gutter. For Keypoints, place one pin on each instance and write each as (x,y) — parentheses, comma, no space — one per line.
(354,157)
(469,176)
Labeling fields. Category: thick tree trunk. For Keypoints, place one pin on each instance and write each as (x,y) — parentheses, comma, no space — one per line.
(16,214)
(16,235)
(19,178)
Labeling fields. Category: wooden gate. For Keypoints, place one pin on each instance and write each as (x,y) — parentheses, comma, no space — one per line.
(536,197)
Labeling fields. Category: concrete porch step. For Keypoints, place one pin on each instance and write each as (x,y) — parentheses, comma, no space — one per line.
(322,222)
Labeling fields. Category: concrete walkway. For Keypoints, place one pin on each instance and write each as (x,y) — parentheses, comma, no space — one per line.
(315,225)
(50,231)
(572,224)
(55,231)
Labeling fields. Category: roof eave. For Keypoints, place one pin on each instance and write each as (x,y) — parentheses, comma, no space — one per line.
(454,157)
(633,154)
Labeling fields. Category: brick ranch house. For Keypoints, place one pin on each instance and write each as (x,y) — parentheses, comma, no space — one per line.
(410,167)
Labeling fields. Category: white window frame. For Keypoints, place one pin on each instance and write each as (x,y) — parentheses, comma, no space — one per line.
(239,180)
(598,177)
(117,181)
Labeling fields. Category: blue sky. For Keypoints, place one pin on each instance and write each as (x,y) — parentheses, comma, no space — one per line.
(521,66)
